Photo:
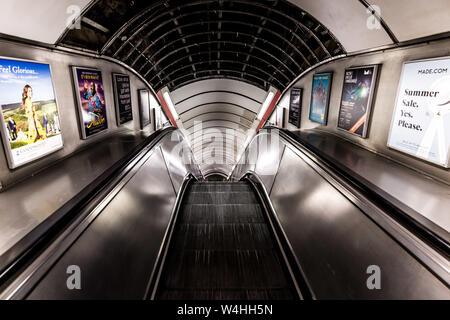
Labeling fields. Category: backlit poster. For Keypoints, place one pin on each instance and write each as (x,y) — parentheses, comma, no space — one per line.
(295,106)
(144,107)
(122,94)
(91,101)
(421,121)
(320,97)
(356,101)
(280,117)
(30,120)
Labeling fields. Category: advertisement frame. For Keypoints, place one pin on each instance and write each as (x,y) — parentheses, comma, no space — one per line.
(80,105)
(300,107)
(327,104)
(373,87)
(5,140)
(141,122)
(283,116)
(394,109)
(116,97)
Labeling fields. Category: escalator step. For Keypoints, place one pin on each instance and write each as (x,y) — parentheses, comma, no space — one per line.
(223,237)
(227,213)
(221,198)
(207,187)
(222,248)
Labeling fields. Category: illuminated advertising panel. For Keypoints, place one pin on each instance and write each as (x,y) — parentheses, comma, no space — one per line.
(356,101)
(421,121)
(91,101)
(295,106)
(30,119)
(320,97)
(144,107)
(122,94)
(280,117)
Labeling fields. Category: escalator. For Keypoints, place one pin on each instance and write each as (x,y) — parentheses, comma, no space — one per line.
(156,230)
(223,248)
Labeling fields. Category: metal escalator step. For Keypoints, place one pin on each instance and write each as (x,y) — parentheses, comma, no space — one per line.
(221,198)
(222,248)
(221,214)
(223,237)
(213,269)
(227,294)
(207,187)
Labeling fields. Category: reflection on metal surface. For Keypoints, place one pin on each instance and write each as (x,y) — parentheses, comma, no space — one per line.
(133,215)
(337,234)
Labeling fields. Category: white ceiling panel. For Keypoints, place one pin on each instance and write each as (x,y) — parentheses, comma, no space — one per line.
(412,19)
(347,20)
(38,20)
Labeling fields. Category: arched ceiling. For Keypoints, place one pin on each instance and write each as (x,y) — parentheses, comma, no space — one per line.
(217,114)
(175,42)
(218,58)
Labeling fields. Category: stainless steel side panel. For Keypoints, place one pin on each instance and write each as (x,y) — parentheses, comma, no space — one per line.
(178,157)
(117,252)
(335,242)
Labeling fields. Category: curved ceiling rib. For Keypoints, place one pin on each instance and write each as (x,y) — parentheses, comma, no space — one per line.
(218,113)
(176,42)
(217,58)
(221,103)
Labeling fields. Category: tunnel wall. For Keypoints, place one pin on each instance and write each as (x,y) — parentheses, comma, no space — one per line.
(63,85)
(384,101)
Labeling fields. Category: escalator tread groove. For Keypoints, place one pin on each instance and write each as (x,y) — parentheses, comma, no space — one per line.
(222,248)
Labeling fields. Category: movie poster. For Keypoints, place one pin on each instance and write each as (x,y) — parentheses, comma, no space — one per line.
(295,106)
(356,101)
(30,119)
(91,101)
(144,107)
(122,94)
(421,121)
(320,97)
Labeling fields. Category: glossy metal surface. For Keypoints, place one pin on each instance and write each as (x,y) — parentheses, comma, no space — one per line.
(425,196)
(116,253)
(334,236)
(335,242)
(117,244)
(32,202)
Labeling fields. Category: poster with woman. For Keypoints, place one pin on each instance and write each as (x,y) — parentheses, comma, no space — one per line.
(30,127)
(91,101)
(320,97)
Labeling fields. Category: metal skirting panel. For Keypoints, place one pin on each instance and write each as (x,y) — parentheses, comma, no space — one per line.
(335,242)
(116,253)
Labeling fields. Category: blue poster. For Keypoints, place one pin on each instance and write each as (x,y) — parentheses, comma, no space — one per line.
(320,97)
(30,119)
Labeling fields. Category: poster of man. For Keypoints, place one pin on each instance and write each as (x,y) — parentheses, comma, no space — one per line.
(27,102)
(91,101)
(320,96)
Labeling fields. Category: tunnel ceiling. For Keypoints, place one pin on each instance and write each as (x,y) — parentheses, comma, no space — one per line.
(176,42)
